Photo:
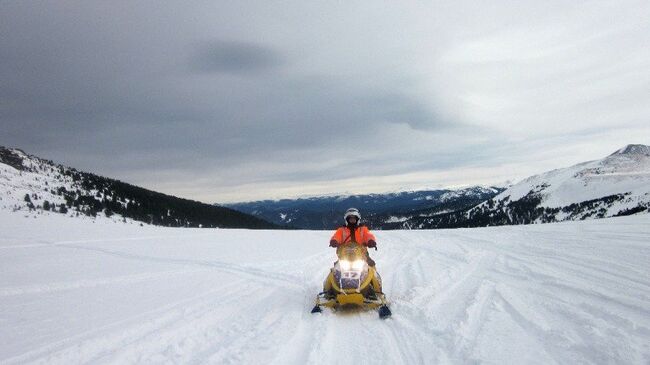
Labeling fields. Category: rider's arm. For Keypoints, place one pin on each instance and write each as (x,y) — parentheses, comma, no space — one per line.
(370,239)
(336,238)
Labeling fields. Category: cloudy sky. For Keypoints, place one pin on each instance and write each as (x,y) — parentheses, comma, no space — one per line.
(226,101)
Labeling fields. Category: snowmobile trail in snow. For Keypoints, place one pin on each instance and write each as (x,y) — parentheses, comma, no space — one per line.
(105,293)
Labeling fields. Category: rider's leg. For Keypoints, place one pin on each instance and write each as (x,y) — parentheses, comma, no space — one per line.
(370,261)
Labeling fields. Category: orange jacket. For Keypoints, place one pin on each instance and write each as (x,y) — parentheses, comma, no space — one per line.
(361,235)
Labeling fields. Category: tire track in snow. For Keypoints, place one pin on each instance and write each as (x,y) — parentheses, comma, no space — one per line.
(597,270)
(549,341)
(243,327)
(412,340)
(82,284)
(47,243)
(463,286)
(297,348)
(223,323)
(456,307)
(174,334)
(406,338)
(249,271)
(88,344)
(571,280)
(253,338)
(468,330)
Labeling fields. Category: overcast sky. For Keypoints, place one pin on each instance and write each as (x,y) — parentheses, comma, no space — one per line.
(230,101)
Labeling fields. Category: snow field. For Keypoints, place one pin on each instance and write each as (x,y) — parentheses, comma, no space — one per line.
(73,291)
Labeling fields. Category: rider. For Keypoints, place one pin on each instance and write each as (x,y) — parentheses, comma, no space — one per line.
(353,232)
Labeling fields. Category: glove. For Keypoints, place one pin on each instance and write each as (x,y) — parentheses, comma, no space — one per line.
(371,243)
(333,243)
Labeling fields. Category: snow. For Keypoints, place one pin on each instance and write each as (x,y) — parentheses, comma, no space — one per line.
(625,171)
(14,184)
(395,219)
(82,291)
(41,184)
(634,149)
(472,191)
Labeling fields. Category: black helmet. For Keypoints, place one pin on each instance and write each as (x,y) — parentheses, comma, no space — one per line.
(352,212)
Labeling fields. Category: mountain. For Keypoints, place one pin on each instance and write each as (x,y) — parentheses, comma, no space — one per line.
(616,185)
(34,186)
(326,212)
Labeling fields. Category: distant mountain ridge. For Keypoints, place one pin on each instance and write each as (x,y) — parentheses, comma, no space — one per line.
(616,185)
(35,186)
(326,212)
(633,149)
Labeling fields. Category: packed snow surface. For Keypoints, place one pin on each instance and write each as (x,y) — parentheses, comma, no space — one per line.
(73,291)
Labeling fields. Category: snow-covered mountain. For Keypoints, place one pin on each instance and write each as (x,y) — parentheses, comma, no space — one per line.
(616,185)
(325,212)
(33,186)
(625,172)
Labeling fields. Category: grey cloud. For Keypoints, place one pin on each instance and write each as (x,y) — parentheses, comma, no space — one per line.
(132,91)
(234,57)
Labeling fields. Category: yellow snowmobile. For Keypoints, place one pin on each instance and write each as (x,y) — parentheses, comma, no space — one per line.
(352,282)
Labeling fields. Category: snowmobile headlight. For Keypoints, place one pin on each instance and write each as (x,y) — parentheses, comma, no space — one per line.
(345,264)
(357,264)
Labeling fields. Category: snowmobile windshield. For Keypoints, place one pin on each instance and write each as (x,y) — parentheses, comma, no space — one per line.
(351,252)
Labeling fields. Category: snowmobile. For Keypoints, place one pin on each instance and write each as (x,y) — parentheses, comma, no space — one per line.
(352,282)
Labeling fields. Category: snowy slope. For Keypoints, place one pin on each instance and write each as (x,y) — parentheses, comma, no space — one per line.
(21,174)
(33,186)
(73,291)
(616,185)
(626,171)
